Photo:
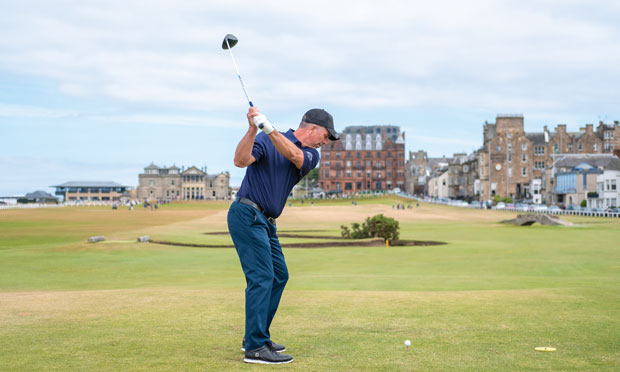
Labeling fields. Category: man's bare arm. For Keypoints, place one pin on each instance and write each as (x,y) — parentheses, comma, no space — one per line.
(243,153)
(287,148)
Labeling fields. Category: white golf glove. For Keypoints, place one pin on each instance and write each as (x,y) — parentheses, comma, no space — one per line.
(262,123)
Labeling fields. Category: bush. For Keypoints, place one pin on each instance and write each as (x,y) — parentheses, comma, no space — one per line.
(508,199)
(584,203)
(377,226)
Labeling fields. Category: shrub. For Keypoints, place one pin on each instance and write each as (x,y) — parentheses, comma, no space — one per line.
(377,226)
(584,203)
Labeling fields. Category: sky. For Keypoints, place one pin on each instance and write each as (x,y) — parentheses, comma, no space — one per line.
(97,90)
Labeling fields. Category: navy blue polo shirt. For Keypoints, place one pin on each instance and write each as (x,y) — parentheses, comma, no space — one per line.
(269,180)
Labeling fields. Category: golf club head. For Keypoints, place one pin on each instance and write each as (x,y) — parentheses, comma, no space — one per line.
(229,40)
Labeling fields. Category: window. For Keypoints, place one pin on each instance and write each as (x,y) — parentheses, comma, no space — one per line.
(359,155)
(556,149)
(379,163)
(378,174)
(570,147)
(378,155)
(337,185)
(348,154)
(539,165)
(172,182)
(348,163)
(358,173)
(595,147)
(509,135)
(524,172)
(539,150)
(368,174)
(326,174)
(389,154)
(389,163)
(509,146)
(348,173)
(510,158)
(337,173)
(613,185)
(523,158)
(359,185)
(498,148)
(338,155)
(368,154)
(509,172)
(368,163)
(348,186)
(524,146)
(580,147)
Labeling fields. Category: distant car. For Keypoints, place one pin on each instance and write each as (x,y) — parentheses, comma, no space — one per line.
(510,206)
(572,207)
(500,205)
(554,208)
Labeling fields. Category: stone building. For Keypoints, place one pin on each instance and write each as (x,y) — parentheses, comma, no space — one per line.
(182,184)
(438,183)
(518,161)
(366,159)
(590,177)
(419,168)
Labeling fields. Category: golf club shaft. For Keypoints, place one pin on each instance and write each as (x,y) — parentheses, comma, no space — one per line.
(239,75)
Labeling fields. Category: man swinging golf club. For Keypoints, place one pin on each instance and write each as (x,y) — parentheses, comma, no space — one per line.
(275,161)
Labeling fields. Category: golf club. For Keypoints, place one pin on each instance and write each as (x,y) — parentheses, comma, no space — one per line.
(229,42)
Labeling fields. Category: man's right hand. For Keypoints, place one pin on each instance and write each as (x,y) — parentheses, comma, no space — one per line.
(252,112)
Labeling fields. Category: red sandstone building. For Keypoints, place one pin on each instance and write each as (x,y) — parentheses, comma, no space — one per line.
(366,159)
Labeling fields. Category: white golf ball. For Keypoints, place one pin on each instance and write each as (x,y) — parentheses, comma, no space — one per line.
(407,343)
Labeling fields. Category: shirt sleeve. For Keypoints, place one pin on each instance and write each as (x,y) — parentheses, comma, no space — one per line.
(258,149)
(311,159)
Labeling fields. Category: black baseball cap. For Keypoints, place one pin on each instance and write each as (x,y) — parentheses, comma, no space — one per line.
(322,118)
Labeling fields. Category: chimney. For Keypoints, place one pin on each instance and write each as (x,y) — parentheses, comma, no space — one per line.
(590,128)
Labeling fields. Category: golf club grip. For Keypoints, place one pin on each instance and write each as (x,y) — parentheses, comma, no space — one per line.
(251,104)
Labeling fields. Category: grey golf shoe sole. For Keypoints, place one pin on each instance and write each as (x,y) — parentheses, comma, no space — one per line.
(260,361)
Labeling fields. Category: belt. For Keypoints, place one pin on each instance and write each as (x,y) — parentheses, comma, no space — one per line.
(247,201)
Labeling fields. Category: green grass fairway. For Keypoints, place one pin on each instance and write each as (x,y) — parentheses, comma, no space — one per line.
(482,302)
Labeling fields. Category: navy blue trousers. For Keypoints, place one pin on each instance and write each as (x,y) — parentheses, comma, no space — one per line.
(264,267)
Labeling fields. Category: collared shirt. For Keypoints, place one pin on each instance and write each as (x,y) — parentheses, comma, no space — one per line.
(269,180)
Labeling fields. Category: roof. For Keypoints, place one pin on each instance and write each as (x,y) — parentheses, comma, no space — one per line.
(536,138)
(90,184)
(39,195)
(369,134)
(605,161)
(152,166)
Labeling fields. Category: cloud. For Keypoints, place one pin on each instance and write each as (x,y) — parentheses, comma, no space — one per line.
(353,54)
